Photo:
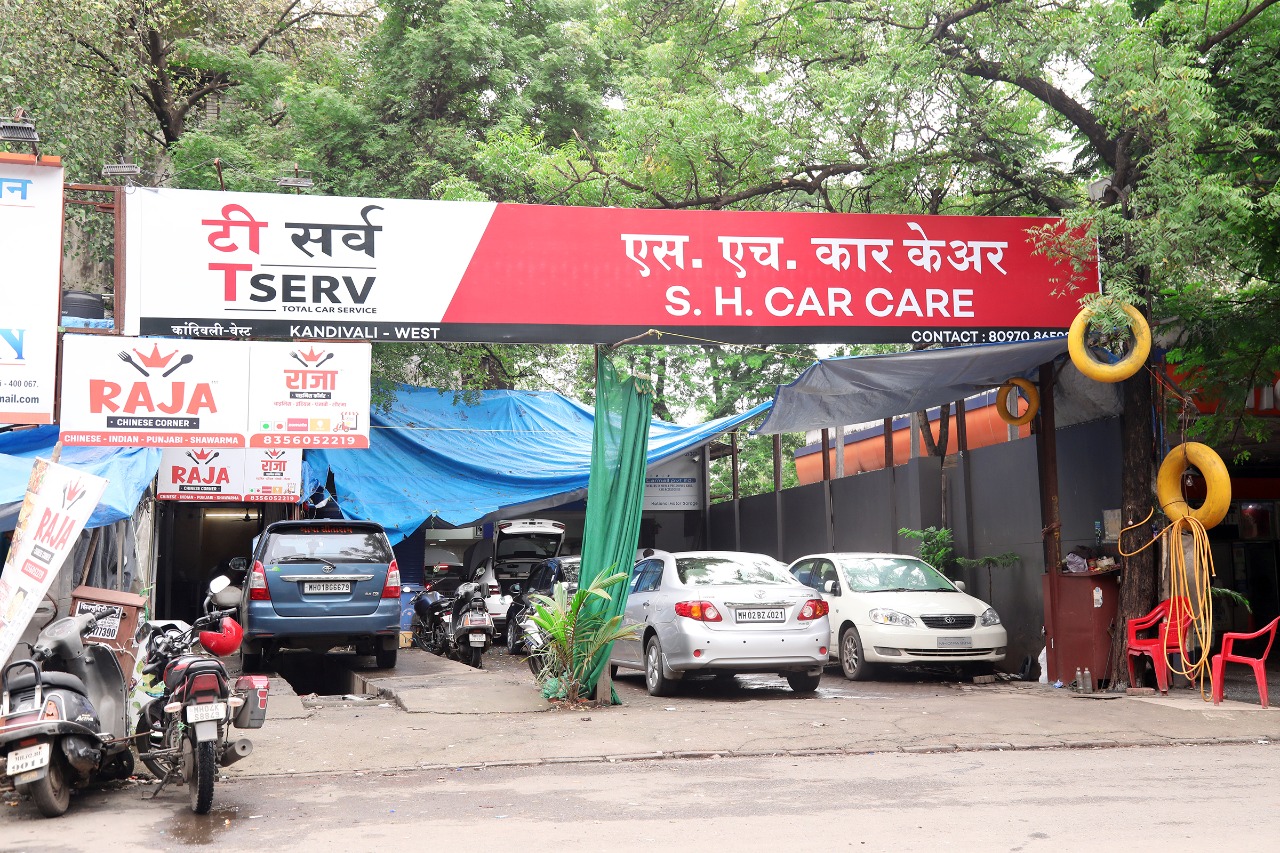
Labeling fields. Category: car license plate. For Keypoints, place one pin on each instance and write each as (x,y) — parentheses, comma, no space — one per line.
(30,758)
(327,586)
(955,642)
(764,614)
(207,711)
(477,639)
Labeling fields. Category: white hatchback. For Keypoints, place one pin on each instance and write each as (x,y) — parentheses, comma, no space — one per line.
(897,609)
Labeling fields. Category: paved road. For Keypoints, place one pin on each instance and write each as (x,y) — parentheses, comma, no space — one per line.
(1139,799)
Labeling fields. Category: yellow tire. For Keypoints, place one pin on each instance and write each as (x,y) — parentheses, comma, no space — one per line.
(1122,369)
(1002,402)
(1217,499)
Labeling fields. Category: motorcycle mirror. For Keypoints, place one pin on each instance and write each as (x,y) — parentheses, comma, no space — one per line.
(219,583)
(237,564)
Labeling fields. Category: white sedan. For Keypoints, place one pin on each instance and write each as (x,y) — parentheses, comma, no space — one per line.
(896,609)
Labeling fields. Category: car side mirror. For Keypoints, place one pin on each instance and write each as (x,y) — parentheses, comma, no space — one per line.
(831,587)
(959,585)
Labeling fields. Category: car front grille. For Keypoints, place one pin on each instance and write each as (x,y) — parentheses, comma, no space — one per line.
(950,622)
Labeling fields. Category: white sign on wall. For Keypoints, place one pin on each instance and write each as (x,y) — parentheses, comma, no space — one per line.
(31,237)
(312,395)
(253,475)
(58,502)
(674,484)
(213,394)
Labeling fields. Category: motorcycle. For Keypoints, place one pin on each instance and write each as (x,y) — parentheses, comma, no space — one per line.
(184,734)
(63,715)
(458,627)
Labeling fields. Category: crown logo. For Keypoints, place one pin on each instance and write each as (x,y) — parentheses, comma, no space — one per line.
(274,454)
(311,355)
(201,457)
(154,358)
(71,493)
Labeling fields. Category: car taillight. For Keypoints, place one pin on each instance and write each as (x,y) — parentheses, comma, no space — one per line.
(258,583)
(391,589)
(814,608)
(703,611)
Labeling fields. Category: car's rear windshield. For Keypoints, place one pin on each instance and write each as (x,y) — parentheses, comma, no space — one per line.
(359,546)
(710,571)
(531,545)
(884,574)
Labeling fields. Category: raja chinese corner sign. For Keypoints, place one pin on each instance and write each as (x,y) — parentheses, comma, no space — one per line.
(261,475)
(332,268)
(213,394)
(31,232)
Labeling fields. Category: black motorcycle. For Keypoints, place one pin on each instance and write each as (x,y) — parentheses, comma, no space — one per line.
(184,734)
(62,716)
(458,627)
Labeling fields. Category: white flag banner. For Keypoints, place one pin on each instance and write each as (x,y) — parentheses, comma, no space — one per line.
(57,505)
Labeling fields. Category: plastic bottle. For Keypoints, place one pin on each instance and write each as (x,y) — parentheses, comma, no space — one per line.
(1088,681)
(1079,681)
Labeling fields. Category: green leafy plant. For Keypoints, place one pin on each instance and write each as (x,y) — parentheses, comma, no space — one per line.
(937,548)
(575,637)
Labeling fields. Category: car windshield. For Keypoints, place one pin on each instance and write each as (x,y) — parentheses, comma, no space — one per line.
(711,571)
(569,568)
(303,547)
(893,574)
(531,545)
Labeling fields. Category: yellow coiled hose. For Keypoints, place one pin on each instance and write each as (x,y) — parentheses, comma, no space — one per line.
(1195,587)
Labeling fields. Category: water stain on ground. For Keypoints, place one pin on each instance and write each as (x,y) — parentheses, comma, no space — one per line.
(197,830)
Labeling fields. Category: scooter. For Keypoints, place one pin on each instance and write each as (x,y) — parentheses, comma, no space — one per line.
(458,627)
(184,734)
(62,716)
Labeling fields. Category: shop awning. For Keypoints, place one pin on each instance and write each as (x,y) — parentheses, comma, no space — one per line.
(437,455)
(839,391)
(128,471)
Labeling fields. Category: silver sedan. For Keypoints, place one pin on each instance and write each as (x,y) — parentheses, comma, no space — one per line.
(721,611)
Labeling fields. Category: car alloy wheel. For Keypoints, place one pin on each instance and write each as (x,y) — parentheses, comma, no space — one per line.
(654,678)
(852,660)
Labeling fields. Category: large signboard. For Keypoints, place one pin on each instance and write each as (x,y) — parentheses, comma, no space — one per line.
(213,394)
(57,505)
(31,234)
(329,268)
(205,474)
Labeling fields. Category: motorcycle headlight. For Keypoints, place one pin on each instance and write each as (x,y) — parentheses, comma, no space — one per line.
(989,617)
(884,616)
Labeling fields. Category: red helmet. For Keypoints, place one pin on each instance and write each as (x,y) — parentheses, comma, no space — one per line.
(225,640)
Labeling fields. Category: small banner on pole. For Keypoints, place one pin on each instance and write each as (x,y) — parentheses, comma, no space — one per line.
(57,505)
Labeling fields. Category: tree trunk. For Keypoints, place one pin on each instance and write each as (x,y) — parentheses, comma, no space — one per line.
(1140,582)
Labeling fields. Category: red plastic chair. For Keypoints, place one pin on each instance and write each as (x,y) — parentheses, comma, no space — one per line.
(1219,661)
(1175,611)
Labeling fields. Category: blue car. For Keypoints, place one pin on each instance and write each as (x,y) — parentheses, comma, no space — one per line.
(319,585)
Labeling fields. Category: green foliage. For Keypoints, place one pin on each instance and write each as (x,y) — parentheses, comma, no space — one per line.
(575,637)
(937,548)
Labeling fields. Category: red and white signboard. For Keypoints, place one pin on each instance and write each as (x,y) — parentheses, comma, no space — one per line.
(207,474)
(153,393)
(212,394)
(330,268)
(31,234)
(58,503)
(313,395)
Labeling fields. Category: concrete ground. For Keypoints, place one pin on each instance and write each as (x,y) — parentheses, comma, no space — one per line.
(431,713)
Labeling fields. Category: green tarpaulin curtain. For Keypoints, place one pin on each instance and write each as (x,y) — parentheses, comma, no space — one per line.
(615,492)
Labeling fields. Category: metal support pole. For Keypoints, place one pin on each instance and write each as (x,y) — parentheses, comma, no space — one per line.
(1047,470)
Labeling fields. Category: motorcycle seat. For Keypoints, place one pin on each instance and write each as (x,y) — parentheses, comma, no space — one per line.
(65,680)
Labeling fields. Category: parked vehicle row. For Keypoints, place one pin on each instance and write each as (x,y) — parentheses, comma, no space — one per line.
(64,712)
(458,627)
(729,612)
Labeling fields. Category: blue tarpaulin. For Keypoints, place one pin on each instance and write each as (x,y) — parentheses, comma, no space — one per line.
(128,472)
(432,456)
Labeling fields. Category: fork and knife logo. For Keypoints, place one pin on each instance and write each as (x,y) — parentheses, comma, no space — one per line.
(124,356)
